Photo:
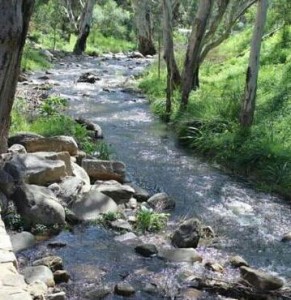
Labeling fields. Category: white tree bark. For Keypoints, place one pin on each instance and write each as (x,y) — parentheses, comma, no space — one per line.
(84,28)
(142,12)
(249,101)
(14,20)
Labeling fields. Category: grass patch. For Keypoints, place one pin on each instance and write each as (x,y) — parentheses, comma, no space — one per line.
(51,121)
(32,59)
(210,124)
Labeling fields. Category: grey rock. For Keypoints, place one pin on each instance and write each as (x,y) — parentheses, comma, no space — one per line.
(261,280)
(99,293)
(61,276)
(92,204)
(3,202)
(119,193)
(124,289)
(22,137)
(237,261)
(140,194)
(38,205)
(41,168)
(37,289)
(17,148)
(146,250)
(21,241)
(286,237)
(57,296)
(161,201)
(121,225)
(180,255)
(128,238)
(104,170)
(98,133)
(54,263)
(7,183)
(35,143)
(188,234)
(41,273)
(81,174)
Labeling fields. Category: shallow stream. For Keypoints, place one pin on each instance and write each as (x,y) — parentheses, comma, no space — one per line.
(248,222)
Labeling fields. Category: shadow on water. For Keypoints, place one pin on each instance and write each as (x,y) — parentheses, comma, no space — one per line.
(248,222)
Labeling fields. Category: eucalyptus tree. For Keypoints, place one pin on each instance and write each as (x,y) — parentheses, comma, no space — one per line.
(173,74)
(249,100)
(84,27)
(143,20)
(212,25)
(14,21)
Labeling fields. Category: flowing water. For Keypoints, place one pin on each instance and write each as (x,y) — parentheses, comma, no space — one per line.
(248,222)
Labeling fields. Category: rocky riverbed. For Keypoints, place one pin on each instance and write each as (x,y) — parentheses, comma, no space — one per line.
(52,183)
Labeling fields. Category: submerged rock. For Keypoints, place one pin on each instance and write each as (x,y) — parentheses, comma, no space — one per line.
(188,234)
(286,237)
(124,289)
(180,255)
(146,250)
(161,201)
(61,276)
(261,280)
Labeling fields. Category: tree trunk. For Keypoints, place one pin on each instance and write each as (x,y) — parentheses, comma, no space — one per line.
(169,54)
(249,100)
(142,13)
(191,63)
(14,20)
(84,28)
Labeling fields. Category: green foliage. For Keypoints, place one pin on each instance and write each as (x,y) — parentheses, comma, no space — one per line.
(210,123)
(148,220)
(32,59)
(51,121)
(112,20)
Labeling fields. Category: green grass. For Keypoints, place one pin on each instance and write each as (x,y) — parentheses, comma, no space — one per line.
(150,221)
(32,59)
(210,124)
(51,121)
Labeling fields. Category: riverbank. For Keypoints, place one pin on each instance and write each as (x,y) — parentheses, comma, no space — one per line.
(210,127)
(92,255)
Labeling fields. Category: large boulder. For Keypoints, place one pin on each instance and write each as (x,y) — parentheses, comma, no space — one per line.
(92,204)
(70,188)
(7,183)
(119,193)
(38,205)
(21,241)
(40,168)
(80,173)
(3,202)
(42,273)
(104,169)
(261,280)
(188,234)
(161,201)
(36,143)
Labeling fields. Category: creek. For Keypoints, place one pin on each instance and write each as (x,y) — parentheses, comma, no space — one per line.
(248,222)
